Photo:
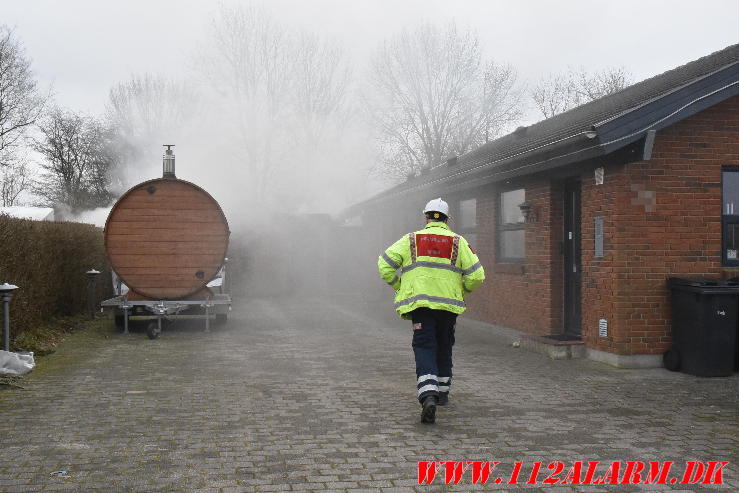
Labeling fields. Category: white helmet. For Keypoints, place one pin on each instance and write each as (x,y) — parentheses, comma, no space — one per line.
(437,205)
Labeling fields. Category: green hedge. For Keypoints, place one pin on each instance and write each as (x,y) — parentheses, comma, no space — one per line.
(48,261)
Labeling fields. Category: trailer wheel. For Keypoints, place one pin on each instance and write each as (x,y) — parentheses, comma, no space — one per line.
(152,330)
(119,322)
(221,318)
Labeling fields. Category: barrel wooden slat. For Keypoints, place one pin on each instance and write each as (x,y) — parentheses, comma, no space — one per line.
(167,244)
(156,215)
(169,193)
(134,227)
(166,236)
(163,272)
(188,261)
(159,280)
(165,248)
(156,282)
(201,294)
(153,202)
(169,294)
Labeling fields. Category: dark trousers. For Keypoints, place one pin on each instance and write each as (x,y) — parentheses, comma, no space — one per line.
(432,347)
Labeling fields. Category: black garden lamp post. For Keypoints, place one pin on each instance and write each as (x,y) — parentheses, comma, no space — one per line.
(92,275)
(6,290)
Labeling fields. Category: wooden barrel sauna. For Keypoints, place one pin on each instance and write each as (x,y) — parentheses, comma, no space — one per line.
(166,238)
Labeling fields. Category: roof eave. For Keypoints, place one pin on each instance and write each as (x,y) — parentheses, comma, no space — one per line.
(504,169)
(663,112)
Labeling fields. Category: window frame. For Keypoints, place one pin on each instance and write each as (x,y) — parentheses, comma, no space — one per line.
(726,220)
(503,227)
(467,230)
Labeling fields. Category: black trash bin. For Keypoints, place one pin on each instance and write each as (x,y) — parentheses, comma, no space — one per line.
(704,326)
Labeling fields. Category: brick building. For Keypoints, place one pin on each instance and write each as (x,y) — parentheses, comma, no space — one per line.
(581,218)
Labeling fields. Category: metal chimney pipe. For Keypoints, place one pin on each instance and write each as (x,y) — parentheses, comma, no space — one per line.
(168,162)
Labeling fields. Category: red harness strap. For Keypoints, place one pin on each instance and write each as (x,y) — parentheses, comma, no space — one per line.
(412,238)
(455,250)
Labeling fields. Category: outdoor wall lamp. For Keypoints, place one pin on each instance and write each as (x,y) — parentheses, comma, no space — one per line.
(6,290)
(527,210)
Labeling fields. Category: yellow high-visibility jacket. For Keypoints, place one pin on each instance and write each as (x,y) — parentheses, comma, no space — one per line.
(437,270)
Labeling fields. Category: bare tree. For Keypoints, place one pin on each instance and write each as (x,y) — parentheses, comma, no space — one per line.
(78,156)
(145,112)
(561,92)
(16,178)
(553,95)
(249,65)
(319,85)
(278,91)
(20,101)
(431,95)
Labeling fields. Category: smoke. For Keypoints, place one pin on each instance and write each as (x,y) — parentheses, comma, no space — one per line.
(96,217)
(265,122)
(268,123)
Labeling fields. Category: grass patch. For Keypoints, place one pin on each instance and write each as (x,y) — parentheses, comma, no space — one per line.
(44,339)
(59,344)
(81,341)
(10,382)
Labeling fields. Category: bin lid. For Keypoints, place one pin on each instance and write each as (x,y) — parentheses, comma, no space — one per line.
(707,283)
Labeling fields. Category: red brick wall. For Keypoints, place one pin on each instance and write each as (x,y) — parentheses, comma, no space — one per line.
(599,288)
(662,219)
(520,295)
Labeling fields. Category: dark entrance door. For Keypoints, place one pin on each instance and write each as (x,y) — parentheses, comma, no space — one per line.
(572,267)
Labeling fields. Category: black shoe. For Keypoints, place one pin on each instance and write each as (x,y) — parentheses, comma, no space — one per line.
(443,400)
(428,413)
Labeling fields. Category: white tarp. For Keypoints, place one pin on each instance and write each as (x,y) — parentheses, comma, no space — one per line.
(16,363)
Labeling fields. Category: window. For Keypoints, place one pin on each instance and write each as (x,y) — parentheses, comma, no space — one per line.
(730,217)
(467,221)
(511,233)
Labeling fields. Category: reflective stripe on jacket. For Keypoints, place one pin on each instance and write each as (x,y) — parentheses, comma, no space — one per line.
(432,268)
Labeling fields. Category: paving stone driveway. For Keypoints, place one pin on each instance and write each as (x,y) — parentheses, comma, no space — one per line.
(306,395)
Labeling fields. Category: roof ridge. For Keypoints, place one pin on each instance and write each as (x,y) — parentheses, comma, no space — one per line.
(671,90)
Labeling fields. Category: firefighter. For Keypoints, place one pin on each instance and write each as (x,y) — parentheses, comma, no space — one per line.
(437,270)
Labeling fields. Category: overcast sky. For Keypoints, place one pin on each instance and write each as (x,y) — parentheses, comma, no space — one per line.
(83,47)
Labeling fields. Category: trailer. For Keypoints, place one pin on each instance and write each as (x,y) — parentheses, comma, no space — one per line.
(166,241)
(210,306)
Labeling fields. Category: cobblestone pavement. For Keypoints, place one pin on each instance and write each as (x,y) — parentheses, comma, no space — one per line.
(305,395)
